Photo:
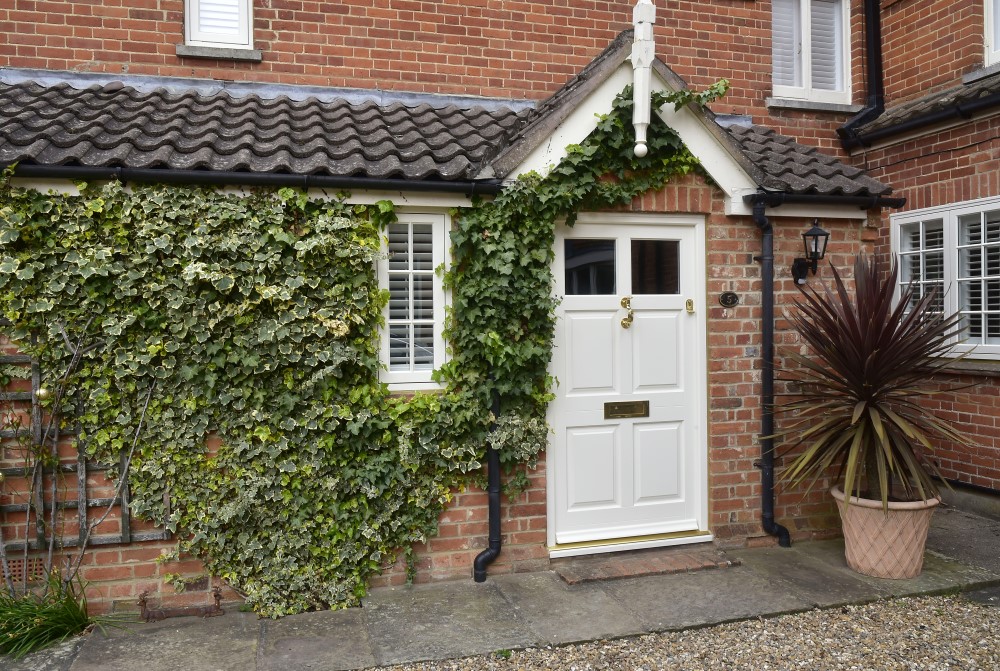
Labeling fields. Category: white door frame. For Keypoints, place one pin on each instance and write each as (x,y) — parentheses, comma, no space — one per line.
(698,360)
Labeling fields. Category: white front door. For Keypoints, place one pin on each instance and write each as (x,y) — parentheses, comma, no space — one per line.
(627,461)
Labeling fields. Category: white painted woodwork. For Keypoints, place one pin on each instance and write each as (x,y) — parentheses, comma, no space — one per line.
(624,478)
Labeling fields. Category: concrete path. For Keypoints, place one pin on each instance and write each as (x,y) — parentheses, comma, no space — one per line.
(457,619)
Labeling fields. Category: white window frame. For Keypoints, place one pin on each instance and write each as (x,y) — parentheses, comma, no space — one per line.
(414,380)
(949,215)
(806,90)
(195,37)
(991,14)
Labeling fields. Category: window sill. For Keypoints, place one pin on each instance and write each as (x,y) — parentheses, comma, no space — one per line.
(981,73)
(976,367)
(812,106)
(218,53)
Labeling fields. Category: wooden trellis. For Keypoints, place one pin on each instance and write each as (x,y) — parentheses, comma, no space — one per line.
(40,506)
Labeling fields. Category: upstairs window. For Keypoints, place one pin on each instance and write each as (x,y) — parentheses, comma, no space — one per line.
(956,249)
(412,343)
(992,32)
(226,24)
(809,48)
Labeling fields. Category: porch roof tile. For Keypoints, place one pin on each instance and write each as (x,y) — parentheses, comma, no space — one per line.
(113,125)
(110,125)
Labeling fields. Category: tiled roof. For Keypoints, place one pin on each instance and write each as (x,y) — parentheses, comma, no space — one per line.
(775,162)
(957,98)
(790,167)
(112,125)
(118,126)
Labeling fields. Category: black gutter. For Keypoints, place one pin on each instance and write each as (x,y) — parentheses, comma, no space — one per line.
(766,259)
(232,178)
(490,554)
(875,102)
(775,198)
(958,111)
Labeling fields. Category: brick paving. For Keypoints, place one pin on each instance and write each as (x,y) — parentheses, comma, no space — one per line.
(641,563)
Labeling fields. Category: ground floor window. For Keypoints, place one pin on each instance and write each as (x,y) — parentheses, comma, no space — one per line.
(956,248)
(412,346)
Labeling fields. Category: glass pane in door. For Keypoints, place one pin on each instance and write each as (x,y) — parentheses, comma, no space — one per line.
(656,267)
(590,267)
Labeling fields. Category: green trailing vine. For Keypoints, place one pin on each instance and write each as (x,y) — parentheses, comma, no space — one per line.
(253,318)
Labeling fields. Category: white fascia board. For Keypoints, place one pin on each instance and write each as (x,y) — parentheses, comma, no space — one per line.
(716,159)
(803,211)
(578,125)
(401,199)
(44,185)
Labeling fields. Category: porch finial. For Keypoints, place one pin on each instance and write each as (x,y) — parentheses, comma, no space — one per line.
(643,53)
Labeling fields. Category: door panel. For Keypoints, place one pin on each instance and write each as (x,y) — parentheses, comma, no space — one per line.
(594,461)
(620,471)
(655,358)
(659,451)
(591,331)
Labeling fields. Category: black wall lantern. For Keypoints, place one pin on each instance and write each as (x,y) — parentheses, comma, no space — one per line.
(815,240)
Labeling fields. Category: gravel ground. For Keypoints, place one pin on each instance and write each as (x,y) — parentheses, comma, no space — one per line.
(928,633)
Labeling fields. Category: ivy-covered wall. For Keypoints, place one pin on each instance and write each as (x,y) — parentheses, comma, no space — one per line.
(168,315)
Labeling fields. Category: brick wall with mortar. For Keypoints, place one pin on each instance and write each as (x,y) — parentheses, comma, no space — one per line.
(119,573)
(929,44)
(537,48)
(734,422)
(511,49)
(937,166)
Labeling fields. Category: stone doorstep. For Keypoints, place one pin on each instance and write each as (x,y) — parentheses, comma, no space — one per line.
(639,563)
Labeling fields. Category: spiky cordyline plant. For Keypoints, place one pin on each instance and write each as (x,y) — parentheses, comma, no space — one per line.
(857,402)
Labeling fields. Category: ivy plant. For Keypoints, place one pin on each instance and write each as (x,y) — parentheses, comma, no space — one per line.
(254,318)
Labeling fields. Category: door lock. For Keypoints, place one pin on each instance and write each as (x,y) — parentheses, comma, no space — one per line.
(626,303)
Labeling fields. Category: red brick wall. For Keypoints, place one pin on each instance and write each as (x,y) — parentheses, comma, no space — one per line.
(733,352)
(976,411)
(477,47)
(939,167)
(734,362)
(929,45)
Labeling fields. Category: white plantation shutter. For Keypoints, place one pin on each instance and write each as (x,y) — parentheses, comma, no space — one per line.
(411,297)
(786,42)
(219,23)
(992,32)
(412,343)
(827,33)
(808,50)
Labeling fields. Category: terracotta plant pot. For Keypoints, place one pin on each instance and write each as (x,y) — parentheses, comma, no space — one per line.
(885,544)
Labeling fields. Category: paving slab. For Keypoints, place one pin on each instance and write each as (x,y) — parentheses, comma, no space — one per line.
(989,596)
(821,584)
(442,621)
(968,538)
(57,658)
(224,643)
(559,613)
(941,573)
(707,597)
(330,640)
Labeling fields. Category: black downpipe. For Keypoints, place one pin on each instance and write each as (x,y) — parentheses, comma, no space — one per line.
(767,378)
(875,102)
(487,556)
(232,178)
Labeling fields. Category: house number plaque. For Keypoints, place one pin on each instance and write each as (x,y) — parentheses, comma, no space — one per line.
(625,409)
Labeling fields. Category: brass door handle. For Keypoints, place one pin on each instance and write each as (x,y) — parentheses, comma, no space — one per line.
(626,303)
